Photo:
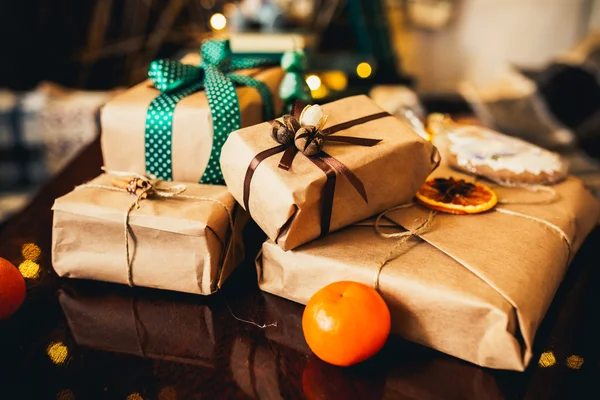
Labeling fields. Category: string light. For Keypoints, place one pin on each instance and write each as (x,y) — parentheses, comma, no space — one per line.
(218,21)
(574,361)
(547,359)
(313,82)
(58,352)
(31,251)
(364,70)
(335,80)
(29,269)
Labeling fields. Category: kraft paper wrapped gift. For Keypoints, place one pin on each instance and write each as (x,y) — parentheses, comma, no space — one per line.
(124,122)
(178,243)
(476,287)
(141,324)
(298,205)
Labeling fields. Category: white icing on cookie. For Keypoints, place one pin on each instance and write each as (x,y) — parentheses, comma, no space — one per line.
(476,146)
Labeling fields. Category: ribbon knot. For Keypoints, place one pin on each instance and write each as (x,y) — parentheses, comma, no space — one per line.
(216,53)
(290,146)
(216,75)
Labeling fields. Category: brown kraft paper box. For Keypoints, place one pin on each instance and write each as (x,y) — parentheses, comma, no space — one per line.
(123,122)
(287,204)
(476,287)
(175,243)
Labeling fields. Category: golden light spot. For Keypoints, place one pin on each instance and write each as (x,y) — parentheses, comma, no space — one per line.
(135,396)
(574,361)
(313,82)
(320,93)
(364,70)
(58,352)
(65,394)
(336,80)
(218,21)
(29,269)
(547,359)
(167,393)
(31,251)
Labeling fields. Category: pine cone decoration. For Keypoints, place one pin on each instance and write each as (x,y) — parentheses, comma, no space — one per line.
(309,140)
(281,133)
(291,123)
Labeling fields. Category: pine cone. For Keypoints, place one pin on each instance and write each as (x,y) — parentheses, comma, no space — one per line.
(291,123)
(281,134)
(309,140)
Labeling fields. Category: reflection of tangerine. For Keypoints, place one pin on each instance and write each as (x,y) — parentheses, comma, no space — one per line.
(12,288)
(324,381)
(345,323)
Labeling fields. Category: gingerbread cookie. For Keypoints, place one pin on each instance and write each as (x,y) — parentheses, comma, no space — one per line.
(502,158)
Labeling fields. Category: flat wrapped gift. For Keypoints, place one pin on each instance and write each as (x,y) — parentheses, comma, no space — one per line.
(141,325)
(476,287)
(369,161)
(186,148)
(182,243)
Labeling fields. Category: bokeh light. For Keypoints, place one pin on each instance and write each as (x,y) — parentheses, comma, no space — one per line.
(218,21)
(29,269)
(319,93)
(574,361)
(313,82)
(58,352)
(31,251)
(547,359)
(364,70)
(65,394)
(335,80)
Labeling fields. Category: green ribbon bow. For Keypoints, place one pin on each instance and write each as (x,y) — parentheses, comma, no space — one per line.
(216,76)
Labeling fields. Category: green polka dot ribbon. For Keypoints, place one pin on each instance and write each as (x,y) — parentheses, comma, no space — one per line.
(216,75)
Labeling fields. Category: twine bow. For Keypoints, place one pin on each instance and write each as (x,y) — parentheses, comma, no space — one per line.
(145,187)
(216,75)
(426,224)
(325,162)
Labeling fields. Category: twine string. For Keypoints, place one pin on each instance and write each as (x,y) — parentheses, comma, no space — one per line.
(404,237)
(151,189)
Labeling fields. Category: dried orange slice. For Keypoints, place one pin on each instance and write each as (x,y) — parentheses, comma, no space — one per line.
(456,196)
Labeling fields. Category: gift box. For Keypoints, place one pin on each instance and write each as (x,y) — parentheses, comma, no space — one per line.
(476,287)
(183,242)
(369,161)
(141,325)
(174,124)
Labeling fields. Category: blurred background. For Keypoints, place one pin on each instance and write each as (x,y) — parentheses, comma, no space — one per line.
(529,68)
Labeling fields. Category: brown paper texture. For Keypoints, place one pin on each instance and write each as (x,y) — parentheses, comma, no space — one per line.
(175,243)
(476,287)
(124,119)
(287,204)
(143,326)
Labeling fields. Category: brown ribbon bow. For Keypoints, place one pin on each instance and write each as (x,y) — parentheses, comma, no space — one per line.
(328,164)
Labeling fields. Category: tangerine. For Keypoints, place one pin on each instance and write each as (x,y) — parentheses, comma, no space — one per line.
(12,288)
(346,322)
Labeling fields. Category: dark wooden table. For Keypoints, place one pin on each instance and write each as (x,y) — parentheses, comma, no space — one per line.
(91,340)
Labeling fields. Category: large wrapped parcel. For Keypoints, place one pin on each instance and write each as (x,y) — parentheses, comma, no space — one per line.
(369,161)
(183,243)
(172,133)
(473,286)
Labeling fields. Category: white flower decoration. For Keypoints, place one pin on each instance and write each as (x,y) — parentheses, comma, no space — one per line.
(313,116)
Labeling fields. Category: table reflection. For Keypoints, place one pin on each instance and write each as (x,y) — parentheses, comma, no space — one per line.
(126,321)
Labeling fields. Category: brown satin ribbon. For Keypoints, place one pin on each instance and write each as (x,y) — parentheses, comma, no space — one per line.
(325,162)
